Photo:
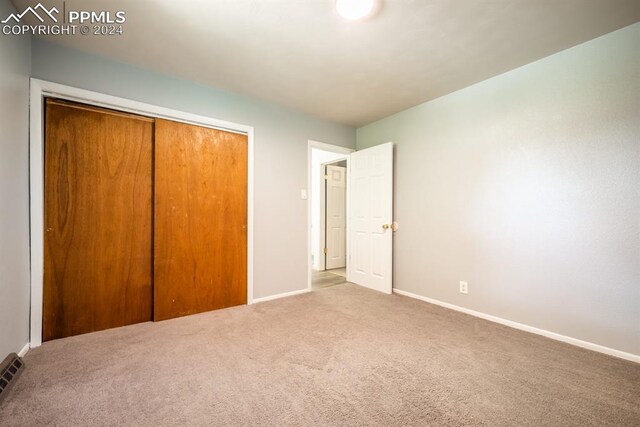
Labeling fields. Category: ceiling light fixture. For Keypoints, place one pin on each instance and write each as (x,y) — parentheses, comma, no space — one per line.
(356,9)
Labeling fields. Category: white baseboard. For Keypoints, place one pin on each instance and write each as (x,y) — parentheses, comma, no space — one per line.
(278,296)
(24,350)
(574,341)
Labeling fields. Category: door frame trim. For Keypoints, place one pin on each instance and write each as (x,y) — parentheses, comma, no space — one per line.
(39,89)
(335,149)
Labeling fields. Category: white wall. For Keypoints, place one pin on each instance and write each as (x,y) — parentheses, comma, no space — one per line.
(318,157)
(14,189)
(281,136)
(527,186)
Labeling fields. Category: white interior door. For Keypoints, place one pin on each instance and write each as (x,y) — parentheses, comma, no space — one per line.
(371,217)
(336,217)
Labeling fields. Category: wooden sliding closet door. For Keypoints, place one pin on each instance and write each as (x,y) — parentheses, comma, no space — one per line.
(200,241)
(98,219)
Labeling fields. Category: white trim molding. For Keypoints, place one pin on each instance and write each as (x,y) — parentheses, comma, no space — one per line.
(548,334)
(282,295)
(41,89)
(24,350)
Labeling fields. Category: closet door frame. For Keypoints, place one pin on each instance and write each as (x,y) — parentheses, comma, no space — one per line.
(41,89)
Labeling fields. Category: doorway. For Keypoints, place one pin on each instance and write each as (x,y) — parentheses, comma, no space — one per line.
(328,211)
(369,216)
(330,268)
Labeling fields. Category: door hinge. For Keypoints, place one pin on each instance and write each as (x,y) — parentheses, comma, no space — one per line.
(326,177)
(325,251)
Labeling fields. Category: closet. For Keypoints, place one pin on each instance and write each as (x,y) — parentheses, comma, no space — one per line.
(200,249)
(145,219)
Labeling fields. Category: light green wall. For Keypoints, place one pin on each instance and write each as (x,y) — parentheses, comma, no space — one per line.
(527,186)
(14,189)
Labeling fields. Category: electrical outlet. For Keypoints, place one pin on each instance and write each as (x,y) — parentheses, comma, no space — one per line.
(464,288)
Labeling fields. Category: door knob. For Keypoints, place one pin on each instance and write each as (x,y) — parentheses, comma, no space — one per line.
(385,226)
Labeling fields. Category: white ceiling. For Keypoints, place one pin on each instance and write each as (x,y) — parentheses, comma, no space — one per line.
(301,55)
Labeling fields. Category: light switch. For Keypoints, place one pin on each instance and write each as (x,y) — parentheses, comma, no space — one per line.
(303,194)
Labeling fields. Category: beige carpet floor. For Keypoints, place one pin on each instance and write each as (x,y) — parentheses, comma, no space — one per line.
(339,356)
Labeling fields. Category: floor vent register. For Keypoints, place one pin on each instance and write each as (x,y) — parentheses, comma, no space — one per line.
(10,369)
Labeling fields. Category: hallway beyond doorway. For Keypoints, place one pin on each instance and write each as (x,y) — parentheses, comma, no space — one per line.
(328,278)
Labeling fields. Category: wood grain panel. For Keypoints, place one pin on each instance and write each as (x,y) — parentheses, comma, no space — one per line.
(98,219)
(200,243)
